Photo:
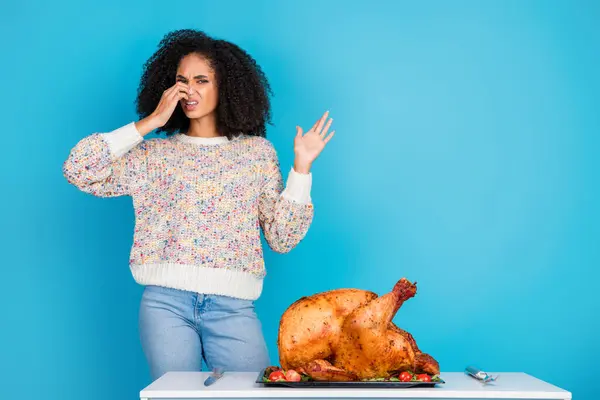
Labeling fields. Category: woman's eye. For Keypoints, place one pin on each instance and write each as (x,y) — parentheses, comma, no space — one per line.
(203,81)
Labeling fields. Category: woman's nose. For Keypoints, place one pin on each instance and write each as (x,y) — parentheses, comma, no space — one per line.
(192,90)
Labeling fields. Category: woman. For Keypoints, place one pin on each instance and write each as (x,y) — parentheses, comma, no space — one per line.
(201,197)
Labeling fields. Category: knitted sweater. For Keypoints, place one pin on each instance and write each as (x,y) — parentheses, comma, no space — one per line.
(200,205)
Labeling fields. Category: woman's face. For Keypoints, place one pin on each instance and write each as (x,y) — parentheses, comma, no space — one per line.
(194,71)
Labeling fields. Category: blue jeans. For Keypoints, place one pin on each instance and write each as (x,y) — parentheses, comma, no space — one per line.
(179,329)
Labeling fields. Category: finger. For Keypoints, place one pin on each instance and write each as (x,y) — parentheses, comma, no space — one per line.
(178,86)
(314,127)
(322,134)
(172,103)
(177,95)
(183,87)
(328,138)
(322,122)
(298,131)
(169,93)
(178,91)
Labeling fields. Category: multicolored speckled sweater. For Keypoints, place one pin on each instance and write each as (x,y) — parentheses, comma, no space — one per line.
(199,205)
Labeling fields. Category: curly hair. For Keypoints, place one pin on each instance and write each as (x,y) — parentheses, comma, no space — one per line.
(243,101)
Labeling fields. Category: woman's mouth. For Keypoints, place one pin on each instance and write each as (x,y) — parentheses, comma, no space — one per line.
(190,105)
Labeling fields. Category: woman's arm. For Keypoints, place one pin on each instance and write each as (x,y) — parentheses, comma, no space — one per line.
(115,163)
(284,215)
(108,164)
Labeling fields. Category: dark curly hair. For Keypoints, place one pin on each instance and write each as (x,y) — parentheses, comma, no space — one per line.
(243,89)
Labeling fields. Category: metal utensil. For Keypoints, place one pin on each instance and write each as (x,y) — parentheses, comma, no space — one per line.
(480,375)
(217,373)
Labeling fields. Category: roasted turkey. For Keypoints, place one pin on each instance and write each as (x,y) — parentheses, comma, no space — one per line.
(348,334)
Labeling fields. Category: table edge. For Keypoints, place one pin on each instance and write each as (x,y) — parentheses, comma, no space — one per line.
(353,393)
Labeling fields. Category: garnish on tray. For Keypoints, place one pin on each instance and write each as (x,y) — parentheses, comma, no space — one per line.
(276,374)
(407,376)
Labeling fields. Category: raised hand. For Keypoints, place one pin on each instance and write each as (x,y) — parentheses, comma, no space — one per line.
(308,146)
(160,116)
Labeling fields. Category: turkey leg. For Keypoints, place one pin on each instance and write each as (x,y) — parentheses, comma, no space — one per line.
(367,346)
(322,370)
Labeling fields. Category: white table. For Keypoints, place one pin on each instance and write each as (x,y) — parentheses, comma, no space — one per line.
(241,385)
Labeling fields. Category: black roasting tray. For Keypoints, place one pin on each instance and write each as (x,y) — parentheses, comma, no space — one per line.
(354,384)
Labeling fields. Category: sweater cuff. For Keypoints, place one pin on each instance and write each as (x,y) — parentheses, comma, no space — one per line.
(123,139)
(298,187)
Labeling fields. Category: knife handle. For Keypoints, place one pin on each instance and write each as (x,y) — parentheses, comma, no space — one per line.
(478,374)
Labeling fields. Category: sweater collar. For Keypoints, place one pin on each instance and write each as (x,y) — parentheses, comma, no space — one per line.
(201,140)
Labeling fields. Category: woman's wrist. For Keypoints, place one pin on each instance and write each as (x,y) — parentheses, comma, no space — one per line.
(146,125)
(302,167)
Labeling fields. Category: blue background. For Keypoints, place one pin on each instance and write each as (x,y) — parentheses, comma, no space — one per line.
(465,158)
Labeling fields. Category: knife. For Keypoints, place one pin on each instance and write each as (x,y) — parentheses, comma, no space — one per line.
(216,374)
